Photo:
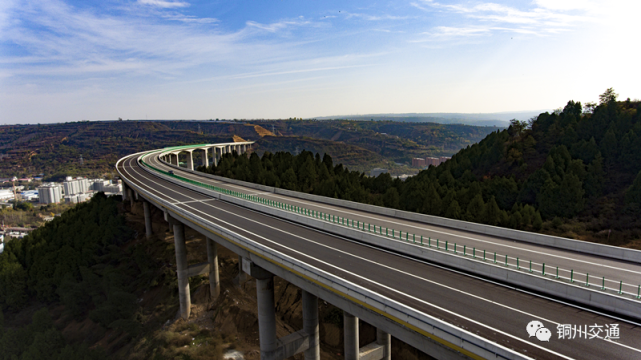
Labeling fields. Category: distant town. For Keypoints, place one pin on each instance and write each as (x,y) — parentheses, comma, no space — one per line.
(70,191)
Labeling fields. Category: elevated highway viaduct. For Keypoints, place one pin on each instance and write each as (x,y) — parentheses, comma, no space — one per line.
(444,312)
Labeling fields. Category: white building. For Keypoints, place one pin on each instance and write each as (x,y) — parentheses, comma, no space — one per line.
(98,184)
(29,195)
(83,185)
(6,194)
(50,193)
(71,186)
(112,188)
(71,199)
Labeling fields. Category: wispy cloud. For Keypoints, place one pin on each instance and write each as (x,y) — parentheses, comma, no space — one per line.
(58,39)
(370,17)
(276,26)
(164,3)
(543,18)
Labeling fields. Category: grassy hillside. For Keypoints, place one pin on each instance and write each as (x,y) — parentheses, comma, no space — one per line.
(396,141)
(55,149)
(355,157)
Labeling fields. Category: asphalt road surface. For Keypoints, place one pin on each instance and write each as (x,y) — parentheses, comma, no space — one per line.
(494,312)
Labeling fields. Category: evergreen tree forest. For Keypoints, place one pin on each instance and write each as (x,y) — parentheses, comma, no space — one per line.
(579,163)
(75,260)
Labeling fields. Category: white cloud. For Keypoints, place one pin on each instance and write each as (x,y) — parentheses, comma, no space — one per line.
(58,39)
(164,3)
(375,17)
(542,18)
(276,26)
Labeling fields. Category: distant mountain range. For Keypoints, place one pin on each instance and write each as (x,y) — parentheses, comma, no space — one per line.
(499,119)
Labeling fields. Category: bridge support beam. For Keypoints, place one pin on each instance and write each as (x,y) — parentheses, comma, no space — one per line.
(381,349)
(385,340)
(130,196)
(214,279)
(181,269)
(350,336)
(148,229)
(303,341)
(242,276)
(266,313)
(190,160)
(124,191)
(205,158)
(310,325)
(215,157)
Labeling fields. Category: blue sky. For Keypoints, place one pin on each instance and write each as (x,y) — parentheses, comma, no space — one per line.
(63,60)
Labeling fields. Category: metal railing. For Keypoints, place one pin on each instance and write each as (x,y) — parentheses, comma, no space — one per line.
(515,263)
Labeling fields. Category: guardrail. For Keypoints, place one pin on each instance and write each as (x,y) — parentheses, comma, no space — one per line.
(395,310)
(585,247)
(569,276)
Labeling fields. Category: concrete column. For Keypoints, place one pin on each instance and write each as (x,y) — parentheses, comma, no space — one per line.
(205,158)
(124,191)
(148,228)
(266,314)
(190,160)
(350,336)
(181,267)
(310,325)
(212,257)
(167,219)
(384,339)
(242,276)
(130,196)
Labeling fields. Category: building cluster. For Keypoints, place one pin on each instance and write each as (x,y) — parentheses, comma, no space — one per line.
(72,190)
(426,162)
(76,190)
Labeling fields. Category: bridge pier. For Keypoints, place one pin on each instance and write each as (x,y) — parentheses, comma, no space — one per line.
(124,191)
(148,229)
(242,276)
(310,325)
(190,160)
(205,158)
(266,313)
(381,349)
(181,269)
(130,196)
(350,336)
(214,278)
(304,341)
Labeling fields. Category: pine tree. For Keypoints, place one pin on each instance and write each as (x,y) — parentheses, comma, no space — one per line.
(476,209)
(633,194)
(492,213)
(453,210)
(537,222)
(391,198)
(289,180)
(432,204)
